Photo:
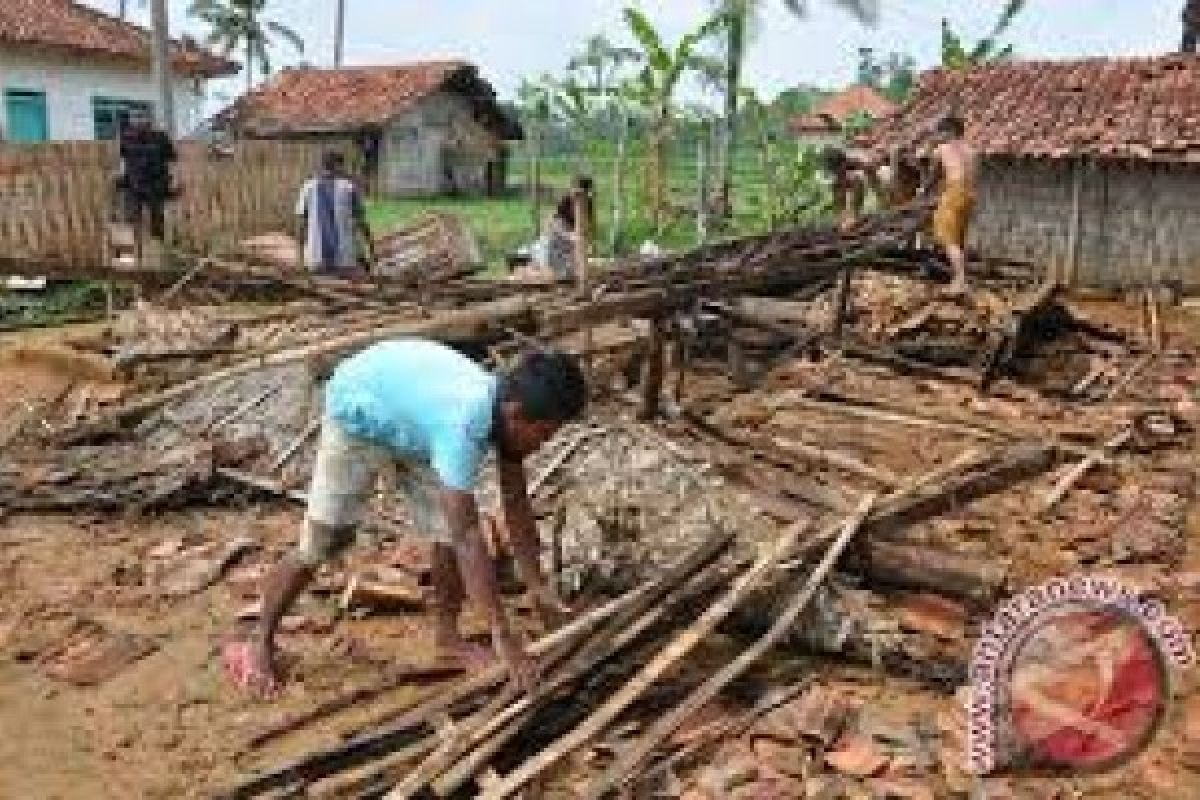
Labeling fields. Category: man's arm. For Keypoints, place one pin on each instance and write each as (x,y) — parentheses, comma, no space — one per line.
(479,576)
(523,535)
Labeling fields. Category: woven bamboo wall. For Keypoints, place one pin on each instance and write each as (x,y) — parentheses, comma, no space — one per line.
(56,200)
(1137,221)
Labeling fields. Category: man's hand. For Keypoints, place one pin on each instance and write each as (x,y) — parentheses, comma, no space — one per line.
(522,667)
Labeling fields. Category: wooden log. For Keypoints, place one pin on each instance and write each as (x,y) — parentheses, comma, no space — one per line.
(838,460)
(392,681)
(414,725)
(668,657)
(632,758)
(1127,379)
(654,371)
(505,717)
(1090,462)
(467,323)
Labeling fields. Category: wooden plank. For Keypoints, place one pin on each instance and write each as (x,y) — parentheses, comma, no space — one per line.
(631,759)
(668,657)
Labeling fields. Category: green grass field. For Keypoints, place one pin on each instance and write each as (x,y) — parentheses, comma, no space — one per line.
(504,224)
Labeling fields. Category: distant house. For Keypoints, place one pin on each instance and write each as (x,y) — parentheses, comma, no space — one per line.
(68,72)
(826,123)
(1091,166)
(424,128)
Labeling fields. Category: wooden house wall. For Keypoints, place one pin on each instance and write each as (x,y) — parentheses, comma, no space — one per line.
(1137,220)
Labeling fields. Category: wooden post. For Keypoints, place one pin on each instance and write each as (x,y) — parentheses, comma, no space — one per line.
(583,240)
(1072,260)
(843,302)
(655,369)
(618,199)
(535,177)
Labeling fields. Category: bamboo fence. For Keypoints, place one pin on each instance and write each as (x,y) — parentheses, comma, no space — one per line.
(57,200)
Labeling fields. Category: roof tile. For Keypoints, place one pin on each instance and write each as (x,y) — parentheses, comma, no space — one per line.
(71,27)
(1146,108)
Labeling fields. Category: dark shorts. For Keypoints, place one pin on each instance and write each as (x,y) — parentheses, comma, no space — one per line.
(137,207)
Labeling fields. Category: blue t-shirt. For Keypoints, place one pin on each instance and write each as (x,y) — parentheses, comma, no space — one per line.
(421,400)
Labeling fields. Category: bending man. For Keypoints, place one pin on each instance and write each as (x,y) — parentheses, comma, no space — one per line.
(434,414)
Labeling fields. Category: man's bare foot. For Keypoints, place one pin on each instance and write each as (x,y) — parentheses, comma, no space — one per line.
(250,666)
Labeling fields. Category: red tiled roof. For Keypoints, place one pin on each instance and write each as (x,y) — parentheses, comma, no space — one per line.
(834,111)
(352,99)
(1144,108)
(70,27)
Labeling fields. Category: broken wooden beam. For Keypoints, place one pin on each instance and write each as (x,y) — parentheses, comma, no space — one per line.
(632,758)
(1089,462)
(666,658)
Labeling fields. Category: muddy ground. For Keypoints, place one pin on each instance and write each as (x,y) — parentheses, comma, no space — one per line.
(166,725)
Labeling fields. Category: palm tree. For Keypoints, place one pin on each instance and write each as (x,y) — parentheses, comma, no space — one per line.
(237,24)
(1191,26)
(987,50)
(656,84)
(601,60)
(741,18)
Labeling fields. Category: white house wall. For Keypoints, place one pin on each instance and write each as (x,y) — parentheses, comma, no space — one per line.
(70,83)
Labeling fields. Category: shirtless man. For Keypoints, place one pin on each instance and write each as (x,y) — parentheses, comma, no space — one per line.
(958,164)
(433,415)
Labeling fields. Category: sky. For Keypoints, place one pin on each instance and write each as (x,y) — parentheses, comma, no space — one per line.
(511,39)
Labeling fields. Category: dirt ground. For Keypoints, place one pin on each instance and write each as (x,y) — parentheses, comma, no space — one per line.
(167,725)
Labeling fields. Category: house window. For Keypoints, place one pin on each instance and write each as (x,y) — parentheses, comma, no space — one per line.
(25,116)
(110,115)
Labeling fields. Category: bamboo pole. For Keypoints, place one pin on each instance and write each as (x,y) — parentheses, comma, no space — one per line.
(668,657)
(631,758)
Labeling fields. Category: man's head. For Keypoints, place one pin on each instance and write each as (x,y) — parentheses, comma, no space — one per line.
(584,184)
(951,126)
(333,162)
(546,389)
(835,160)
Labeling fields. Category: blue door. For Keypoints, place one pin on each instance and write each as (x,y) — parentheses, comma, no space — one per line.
(25,113)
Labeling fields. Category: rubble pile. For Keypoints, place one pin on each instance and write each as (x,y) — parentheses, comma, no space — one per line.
(804,486)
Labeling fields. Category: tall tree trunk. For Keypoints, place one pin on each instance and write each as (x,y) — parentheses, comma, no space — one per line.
(161,54)
(734,53)
(659,189)
(339,35)
(702,169)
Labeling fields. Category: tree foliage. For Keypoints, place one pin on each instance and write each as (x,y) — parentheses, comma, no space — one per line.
(239,25)
(955,53)
(895,76)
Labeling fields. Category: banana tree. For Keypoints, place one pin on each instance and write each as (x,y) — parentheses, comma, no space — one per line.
(663,70)
(956,55)
(741,18)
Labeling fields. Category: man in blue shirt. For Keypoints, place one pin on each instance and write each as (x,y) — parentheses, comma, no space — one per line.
(434,414)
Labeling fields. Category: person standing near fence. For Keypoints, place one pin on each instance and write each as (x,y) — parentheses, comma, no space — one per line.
(144,177)
(330,211)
